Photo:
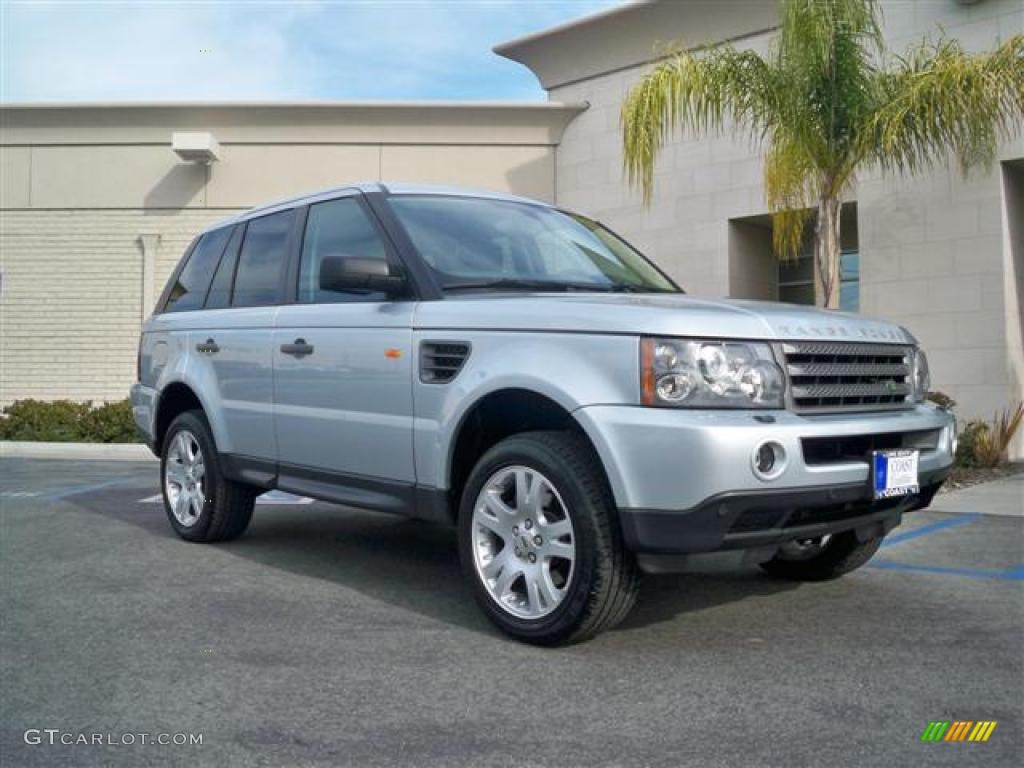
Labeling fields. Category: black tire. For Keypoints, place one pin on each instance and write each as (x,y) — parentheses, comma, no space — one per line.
(841,554)
(605,579)
(228,506)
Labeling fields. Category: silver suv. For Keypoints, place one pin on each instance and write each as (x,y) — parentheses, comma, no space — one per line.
(522,373)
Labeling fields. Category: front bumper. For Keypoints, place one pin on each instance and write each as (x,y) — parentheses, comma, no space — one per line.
(683,480)
(756,519)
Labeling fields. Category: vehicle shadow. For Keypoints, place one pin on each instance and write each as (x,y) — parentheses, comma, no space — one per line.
(410,564)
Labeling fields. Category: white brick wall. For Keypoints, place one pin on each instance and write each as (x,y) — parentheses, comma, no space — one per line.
(71,305)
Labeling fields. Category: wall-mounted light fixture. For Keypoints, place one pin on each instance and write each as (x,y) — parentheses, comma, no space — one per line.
(195,147)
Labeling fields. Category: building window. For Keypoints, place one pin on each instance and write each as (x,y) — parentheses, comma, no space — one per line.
(796,281)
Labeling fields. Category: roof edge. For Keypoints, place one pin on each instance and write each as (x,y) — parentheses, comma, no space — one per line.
(299,104)
(507,48)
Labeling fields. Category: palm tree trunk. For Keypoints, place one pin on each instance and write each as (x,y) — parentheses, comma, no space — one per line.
(826,252)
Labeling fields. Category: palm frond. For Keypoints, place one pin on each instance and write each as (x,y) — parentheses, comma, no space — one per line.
(721,87)
(791,186)
(938,99)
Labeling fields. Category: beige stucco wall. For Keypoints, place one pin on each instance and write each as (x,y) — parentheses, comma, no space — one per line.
(933,249)
(83,189)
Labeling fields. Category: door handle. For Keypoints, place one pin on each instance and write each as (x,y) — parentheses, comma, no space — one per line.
(209,347)
(298,348)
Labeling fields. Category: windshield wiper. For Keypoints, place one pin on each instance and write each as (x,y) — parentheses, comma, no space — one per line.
(511,283)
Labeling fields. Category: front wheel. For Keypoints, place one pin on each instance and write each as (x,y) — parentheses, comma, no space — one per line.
(539,540)
(201,504)
(823,558)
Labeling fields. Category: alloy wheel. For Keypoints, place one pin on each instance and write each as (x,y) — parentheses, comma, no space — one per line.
(524,546)
(185,478)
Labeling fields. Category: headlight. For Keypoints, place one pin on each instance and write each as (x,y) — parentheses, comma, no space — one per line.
(922,378)
(709,374)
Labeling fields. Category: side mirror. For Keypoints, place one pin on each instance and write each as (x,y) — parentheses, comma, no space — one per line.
(354,273)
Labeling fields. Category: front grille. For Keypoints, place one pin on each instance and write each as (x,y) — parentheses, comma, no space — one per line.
(847,375)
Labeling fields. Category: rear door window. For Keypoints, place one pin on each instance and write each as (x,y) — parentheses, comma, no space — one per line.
(189,290)
(262,259)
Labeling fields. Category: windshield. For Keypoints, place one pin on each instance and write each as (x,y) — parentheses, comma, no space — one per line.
(476,243)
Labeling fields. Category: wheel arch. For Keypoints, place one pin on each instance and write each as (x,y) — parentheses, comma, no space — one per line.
(176,398)
(496,415)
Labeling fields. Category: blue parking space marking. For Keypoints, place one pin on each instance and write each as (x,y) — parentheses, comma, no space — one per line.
(1012,574)
(926,530)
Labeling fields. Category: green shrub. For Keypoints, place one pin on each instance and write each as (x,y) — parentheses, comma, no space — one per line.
(984,444)
(967,443)
(65,421)
(110,423)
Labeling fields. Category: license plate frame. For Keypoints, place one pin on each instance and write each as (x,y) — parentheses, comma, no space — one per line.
(895,473)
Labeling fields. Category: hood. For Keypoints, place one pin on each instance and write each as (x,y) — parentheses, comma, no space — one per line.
(653,314)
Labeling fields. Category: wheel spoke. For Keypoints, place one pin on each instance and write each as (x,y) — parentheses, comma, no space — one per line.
(505,581)
(191,450)
(493,567)
(558,548)
(546,586)
(196,499)
(499,508)
(556,529)
(522,491)
(181,505)
(175,473)
(180,448)
(199,469)
(497,527)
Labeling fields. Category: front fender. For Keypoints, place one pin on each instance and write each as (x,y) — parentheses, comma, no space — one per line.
(572,370)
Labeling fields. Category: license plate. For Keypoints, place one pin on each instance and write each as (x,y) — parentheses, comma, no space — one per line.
(894,473)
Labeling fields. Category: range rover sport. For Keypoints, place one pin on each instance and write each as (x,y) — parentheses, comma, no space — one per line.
(523,374)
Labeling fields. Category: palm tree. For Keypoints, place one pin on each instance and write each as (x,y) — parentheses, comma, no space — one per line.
(826,103)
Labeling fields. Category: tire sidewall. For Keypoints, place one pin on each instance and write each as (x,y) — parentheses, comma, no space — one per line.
(197,425)
(520,450)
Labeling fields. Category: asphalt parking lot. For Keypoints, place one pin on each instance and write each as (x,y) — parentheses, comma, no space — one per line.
(329,636)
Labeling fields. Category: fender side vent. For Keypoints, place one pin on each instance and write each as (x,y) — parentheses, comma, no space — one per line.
(441,361)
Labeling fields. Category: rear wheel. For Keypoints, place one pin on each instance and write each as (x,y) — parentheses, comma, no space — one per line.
(540,542)
(201,504)
(823,558)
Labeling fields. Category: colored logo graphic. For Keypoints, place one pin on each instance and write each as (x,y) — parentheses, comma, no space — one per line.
(958,730)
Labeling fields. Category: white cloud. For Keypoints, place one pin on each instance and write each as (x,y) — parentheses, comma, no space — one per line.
(250,51)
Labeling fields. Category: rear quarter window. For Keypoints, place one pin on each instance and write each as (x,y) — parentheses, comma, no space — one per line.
(189,288)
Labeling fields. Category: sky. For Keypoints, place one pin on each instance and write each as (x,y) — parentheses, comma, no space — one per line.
(238,51)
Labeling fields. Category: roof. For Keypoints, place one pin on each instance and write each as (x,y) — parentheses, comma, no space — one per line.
(634,34)
(394,188)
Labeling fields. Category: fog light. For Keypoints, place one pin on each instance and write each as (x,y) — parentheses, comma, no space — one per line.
(768,460)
